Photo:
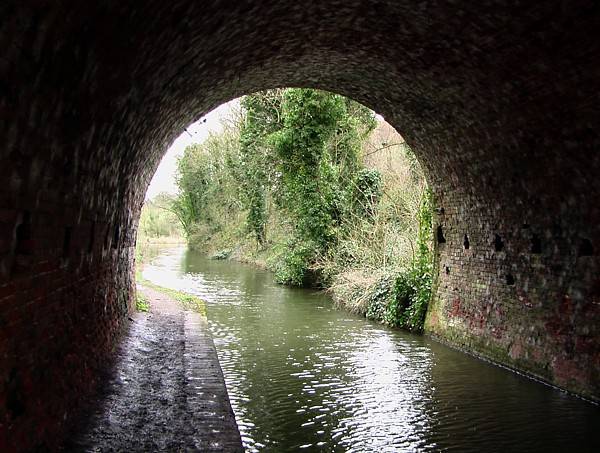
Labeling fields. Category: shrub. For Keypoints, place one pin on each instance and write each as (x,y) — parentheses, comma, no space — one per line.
(141,303)
(293,267)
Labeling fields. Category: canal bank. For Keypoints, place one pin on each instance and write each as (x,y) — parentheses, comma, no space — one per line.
(166,391)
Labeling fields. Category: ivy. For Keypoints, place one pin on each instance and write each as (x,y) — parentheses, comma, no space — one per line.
(367,191)
(411,291)
(262,117)
(317,153)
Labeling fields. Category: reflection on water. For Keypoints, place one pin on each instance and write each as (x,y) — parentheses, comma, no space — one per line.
(303,375)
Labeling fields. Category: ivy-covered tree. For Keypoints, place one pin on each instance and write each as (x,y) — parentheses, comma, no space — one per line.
(318,150)
(262,117)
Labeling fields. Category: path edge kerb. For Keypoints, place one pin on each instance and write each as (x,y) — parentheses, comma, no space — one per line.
(206,391)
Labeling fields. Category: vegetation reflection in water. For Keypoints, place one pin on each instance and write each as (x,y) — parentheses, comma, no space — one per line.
(301,374)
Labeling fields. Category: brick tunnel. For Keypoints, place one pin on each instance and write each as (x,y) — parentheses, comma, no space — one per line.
(499,102)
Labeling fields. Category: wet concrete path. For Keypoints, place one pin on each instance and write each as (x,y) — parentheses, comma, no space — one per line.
(167,391)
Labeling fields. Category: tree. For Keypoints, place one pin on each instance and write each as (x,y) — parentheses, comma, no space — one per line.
(318,149)
(262,116)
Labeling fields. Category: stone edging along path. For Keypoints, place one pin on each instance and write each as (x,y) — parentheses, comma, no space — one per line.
(166,392)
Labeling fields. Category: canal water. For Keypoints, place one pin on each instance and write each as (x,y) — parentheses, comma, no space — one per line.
(305,376)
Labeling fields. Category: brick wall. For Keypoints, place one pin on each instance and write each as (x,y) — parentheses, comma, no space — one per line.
(499,103)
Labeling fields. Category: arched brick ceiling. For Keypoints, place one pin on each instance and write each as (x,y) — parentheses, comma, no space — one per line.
(498,100)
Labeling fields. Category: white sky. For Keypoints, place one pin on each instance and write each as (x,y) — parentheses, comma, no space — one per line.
(164,178)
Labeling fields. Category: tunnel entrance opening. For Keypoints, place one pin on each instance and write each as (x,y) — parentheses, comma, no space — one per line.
(310,184)
(493,111)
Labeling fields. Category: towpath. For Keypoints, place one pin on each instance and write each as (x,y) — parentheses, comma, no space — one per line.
(167,391)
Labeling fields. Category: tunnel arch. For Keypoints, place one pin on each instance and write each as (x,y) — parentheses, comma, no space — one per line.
(498,102)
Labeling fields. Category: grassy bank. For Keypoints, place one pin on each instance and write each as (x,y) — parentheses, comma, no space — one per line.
(187,301)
